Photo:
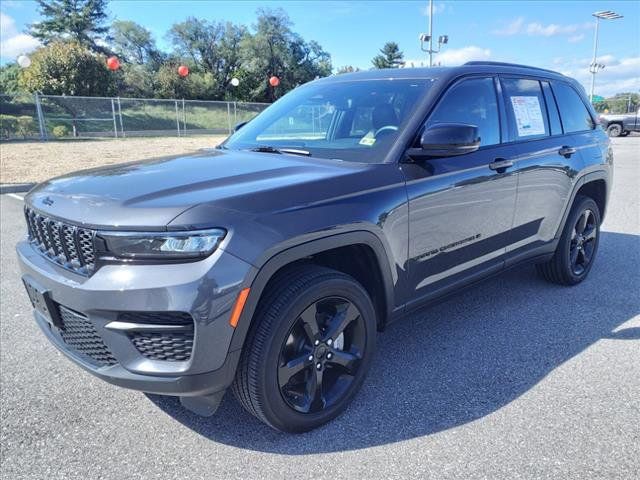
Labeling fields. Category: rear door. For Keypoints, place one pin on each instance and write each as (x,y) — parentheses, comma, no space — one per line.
(460,209)
(545,160)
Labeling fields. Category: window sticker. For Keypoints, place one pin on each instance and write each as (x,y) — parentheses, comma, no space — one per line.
(528,115)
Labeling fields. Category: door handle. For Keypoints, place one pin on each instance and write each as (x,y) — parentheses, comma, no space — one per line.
(500,165)
(566,152)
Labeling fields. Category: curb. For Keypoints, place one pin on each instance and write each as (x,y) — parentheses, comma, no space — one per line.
(15,187)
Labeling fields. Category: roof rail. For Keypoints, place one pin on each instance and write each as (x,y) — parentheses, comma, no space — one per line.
(505,64)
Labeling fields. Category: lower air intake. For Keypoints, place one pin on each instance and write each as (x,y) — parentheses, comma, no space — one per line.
(79,333)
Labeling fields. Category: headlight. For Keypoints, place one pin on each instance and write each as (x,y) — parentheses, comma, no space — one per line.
(162,245)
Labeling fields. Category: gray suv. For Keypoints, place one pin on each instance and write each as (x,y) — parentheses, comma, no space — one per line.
(270,263)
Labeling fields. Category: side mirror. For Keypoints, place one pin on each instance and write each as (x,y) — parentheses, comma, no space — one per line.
(239,126)
(447,140)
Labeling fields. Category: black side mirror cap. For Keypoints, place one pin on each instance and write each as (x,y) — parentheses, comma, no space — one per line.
(447,140)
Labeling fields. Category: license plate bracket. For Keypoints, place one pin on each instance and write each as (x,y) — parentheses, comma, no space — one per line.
(42,302)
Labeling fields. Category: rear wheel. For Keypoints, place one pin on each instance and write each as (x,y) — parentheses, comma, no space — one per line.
(309,351)
(614,130)
(577,247)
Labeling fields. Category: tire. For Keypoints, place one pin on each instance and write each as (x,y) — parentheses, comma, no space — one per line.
(625,133)
(283,340)
(614,130)
(576,250)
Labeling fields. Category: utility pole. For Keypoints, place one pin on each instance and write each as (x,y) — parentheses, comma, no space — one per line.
(430,33)
(595,66)
(428,37)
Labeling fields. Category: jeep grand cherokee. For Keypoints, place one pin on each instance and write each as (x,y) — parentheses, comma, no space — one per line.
(270,263)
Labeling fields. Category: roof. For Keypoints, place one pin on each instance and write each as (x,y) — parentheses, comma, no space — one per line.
(442,72)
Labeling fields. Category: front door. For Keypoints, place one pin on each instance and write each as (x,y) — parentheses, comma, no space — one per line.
(461,208)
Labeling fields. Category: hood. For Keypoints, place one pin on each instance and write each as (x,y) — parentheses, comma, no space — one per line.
(149,194)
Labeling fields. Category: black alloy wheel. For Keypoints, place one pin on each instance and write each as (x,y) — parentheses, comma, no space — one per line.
(583,241)
(577,246)
(308,350)
(321,355)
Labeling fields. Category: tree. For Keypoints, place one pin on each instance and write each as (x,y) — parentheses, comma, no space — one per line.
(133,43)
(133,80)
(9,78)
(211,47)
(198,84)
(390,56)
(347,69)
(624,102)
(67,68)
(275,50)
(82,21)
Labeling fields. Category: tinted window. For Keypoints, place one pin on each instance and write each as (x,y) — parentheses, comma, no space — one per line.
(552,109)
(573,112)
(348,120)
(305,121)
(526,108)
(474,102)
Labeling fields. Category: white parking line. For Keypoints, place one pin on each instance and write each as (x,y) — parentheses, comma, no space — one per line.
(16,196)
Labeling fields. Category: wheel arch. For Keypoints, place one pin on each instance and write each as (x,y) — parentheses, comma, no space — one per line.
(593,185)
(382,293)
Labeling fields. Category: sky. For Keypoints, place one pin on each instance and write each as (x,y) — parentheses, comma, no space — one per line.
(549,34)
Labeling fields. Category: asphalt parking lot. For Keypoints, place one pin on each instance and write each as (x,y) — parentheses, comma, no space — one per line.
(513,378)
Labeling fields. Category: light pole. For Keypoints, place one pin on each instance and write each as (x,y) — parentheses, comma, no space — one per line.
(428,37)
(595,66)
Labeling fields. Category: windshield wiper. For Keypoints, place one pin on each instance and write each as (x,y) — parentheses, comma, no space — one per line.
(270,149)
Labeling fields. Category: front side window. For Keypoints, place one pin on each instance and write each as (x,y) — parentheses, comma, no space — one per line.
(526,108)
(348,120)
(474,102)
(573,112)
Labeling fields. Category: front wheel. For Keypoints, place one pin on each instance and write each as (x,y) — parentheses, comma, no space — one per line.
(308,353)
(614,130)
(577,246)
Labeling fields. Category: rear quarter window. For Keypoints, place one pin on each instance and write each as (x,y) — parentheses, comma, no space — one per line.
(552,109)
(573,112)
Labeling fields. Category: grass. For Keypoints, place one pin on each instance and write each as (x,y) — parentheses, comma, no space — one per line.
(97,115)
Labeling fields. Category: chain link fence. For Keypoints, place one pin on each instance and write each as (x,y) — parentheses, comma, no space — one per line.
(57,117)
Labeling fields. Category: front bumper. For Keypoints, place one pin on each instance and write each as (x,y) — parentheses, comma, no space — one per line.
(206,289)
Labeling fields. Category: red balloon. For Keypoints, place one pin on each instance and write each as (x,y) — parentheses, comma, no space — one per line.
(113,63)
(183,70)
(274,81)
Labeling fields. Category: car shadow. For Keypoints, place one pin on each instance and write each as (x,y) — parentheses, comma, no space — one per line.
(460,360)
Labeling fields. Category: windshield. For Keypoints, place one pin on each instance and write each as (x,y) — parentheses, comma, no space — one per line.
(351,120)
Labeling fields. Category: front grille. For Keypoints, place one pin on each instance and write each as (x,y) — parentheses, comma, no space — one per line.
(79,333)
(168,345)
(67,245)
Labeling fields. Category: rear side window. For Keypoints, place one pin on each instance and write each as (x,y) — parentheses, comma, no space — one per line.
(473,102)
(526,108)
(573,112)
(552,109)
